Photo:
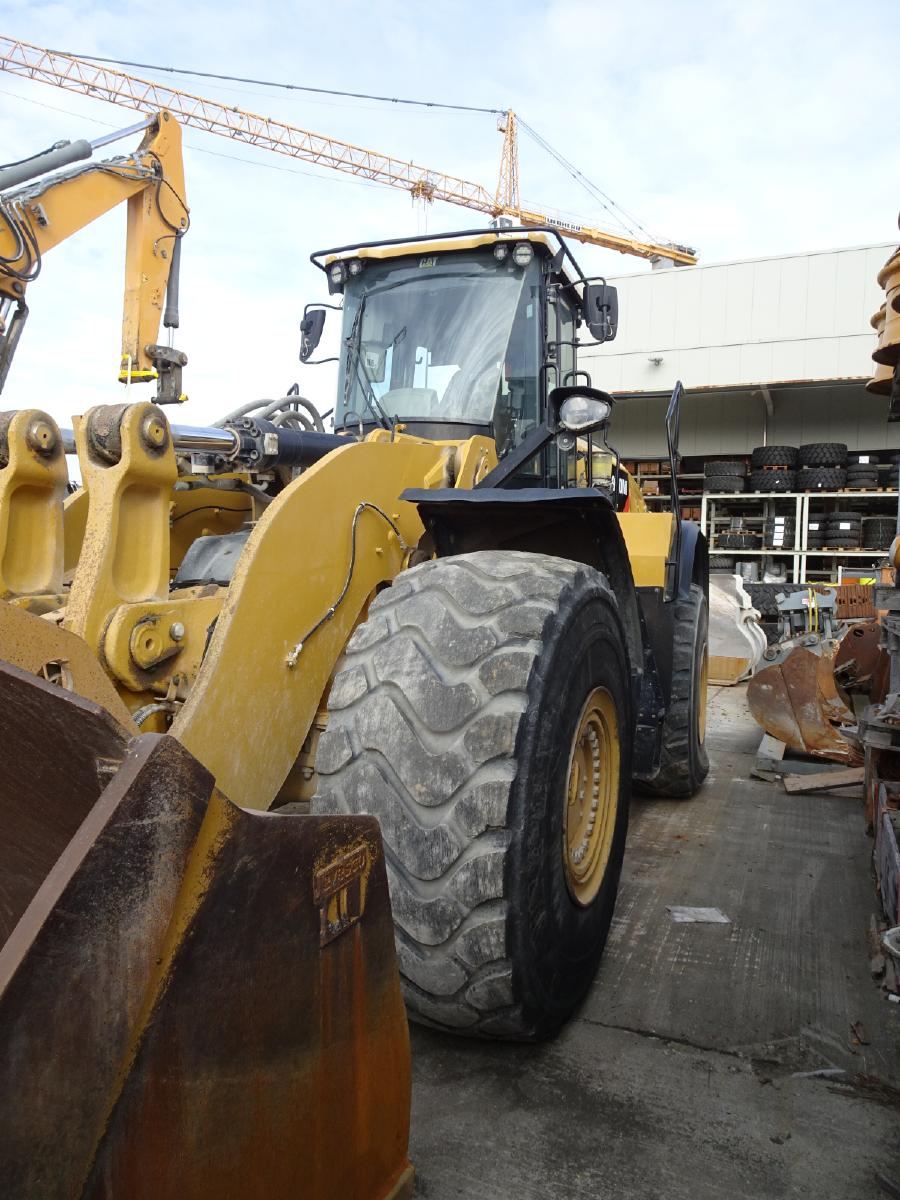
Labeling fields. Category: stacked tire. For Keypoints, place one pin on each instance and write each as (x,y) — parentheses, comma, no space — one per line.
(772,468)
(764,596)
(878,532)
(822,467)
(737,539)
(862,476)
(815,533)
(843,530)
(725,475)
(778,533)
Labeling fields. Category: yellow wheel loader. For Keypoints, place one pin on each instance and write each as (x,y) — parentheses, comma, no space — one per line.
(255,677)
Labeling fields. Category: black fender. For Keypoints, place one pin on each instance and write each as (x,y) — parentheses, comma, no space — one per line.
(575,523)
(693,565)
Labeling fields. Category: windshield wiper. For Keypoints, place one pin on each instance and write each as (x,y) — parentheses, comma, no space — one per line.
(354,353)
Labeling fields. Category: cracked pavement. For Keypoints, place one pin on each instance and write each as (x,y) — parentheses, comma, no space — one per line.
(708,1060)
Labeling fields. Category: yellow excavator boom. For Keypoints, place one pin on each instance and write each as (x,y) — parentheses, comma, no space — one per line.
(44,210)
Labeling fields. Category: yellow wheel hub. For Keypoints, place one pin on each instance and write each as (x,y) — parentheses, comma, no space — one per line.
(592,796)
(704,682)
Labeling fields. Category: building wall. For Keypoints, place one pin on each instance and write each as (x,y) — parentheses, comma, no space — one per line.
(796,325)
(733,422)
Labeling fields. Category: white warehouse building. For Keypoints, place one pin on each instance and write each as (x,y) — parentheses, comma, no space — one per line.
(770,350)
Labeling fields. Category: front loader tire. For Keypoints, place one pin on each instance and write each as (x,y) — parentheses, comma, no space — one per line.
(477,712)
(684,763)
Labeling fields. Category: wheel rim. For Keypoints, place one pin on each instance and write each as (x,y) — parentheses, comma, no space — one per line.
(592,796)
(704,681)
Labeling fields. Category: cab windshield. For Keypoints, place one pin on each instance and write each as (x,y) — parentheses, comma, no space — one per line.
(441,338)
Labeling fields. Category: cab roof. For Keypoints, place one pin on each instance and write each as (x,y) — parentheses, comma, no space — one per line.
(467,239)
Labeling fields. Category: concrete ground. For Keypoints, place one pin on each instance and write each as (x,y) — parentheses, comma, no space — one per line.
(690,1070)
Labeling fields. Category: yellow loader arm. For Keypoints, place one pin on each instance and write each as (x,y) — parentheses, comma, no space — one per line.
(37,212)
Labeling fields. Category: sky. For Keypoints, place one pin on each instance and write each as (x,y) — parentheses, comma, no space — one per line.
(740,130)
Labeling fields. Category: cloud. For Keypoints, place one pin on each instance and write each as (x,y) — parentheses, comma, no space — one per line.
(740,130)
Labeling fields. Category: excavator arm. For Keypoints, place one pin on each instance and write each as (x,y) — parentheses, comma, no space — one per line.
(38,211)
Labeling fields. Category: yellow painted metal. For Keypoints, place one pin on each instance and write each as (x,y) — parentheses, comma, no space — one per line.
(636,501)
(56,208)
(101,81)
(156,214)
(206,511)
(125,554)
(704,689)
(36,645)
(592,796)
(249,712)
(33,483)
(507,195)
(150,646)
(75,511)
(473,459)
(648,538)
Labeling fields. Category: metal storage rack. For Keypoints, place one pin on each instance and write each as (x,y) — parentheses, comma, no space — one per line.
(712,502)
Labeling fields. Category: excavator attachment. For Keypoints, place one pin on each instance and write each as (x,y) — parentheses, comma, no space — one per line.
(797,701)
(196,1000)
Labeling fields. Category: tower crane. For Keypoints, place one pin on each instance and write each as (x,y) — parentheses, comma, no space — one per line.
(102,82)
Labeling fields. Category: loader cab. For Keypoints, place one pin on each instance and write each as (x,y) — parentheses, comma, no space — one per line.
(457,335)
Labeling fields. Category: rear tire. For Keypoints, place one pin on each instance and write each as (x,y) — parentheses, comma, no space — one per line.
(774,456)
(684,763)
(457,717)
(723,483)
(822,454)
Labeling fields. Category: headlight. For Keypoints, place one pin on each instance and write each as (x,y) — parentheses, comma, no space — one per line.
(523,254)
(583,412)
(337,273)
(355,266)
(500,251)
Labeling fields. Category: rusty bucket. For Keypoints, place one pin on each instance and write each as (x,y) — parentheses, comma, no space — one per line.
(196,1000)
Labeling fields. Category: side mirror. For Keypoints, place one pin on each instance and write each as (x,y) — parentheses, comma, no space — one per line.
(311,331)
(601,310)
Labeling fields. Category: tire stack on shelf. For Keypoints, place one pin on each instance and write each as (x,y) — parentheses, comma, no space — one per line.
(878,532)
(772,468)
(862,475)
(737,537)
(815,532)
(778,533)
(843,530)
(822,467)
(727,475)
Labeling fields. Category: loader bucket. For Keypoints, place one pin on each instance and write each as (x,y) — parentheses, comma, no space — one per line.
(798,702)
(196,1000)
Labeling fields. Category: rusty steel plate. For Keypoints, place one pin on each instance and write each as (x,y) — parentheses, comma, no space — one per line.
(797,702)
(860,660)
(198,1000)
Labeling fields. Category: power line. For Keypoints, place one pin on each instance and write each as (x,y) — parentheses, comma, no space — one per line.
(290,87)
(596,192)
